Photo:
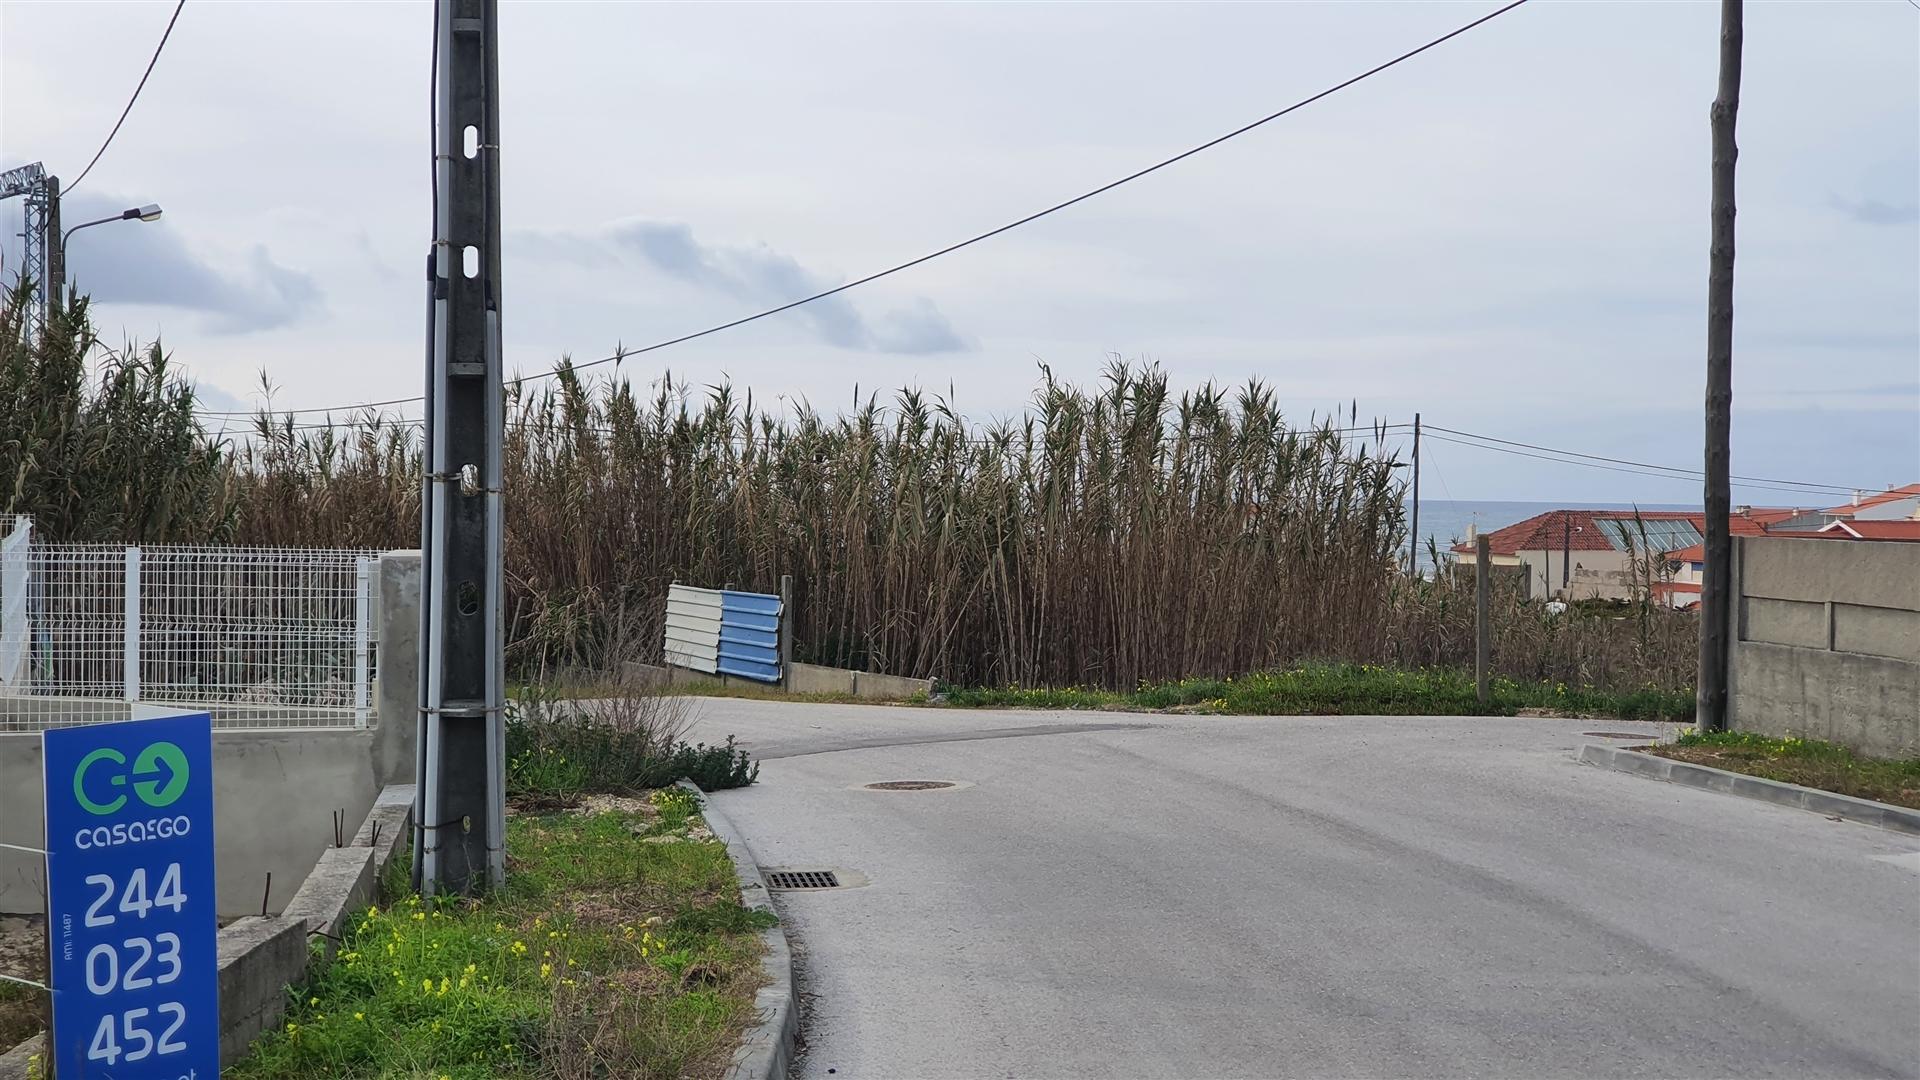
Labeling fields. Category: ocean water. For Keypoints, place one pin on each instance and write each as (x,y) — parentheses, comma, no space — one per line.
(1446,520)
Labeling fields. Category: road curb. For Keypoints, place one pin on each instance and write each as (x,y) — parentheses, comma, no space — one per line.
(767,1048)
(1627,759)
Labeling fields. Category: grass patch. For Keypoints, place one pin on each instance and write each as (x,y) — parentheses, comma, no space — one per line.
(611,952)
(1807,762)
(1346,689)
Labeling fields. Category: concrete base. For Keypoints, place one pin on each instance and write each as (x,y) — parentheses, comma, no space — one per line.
(259,959)
(342,882)
(865,685)
(801,679)
(870,686)
(19,1062)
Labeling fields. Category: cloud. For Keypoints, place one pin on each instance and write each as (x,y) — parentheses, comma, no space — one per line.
(1875,212)
(759,277)
(149,263)
(918,329)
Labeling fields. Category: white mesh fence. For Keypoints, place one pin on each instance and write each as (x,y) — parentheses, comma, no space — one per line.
(259,637)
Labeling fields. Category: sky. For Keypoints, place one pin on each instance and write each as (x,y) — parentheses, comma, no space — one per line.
(1507,234)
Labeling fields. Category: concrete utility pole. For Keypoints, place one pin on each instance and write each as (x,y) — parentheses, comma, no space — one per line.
(1482,618)
(1710,705)
(459,807)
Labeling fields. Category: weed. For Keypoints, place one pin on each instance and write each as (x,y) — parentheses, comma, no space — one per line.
(1807,762)
(1362,689)
(559,748)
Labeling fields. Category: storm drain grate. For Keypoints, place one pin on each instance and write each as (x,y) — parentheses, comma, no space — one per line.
(802,879)
(1641,735)
(910,785)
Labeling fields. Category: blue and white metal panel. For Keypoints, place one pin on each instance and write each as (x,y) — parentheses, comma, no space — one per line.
(724,632)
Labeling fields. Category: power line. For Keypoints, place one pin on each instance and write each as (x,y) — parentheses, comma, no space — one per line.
(1614,468)
(991,233)
(1689,473)
(131,100)
(1469,439)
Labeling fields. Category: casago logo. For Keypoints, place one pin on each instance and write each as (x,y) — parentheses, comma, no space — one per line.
(159,761)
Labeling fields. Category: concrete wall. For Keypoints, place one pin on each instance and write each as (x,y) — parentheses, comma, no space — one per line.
(275,789)
(1602,574)
(1827,642)
(801,679)
(260,957)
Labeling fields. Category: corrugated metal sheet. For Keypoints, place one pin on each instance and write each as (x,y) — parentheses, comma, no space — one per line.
(724,632)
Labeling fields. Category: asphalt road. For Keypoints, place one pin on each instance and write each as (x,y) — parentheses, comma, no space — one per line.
(1117,895)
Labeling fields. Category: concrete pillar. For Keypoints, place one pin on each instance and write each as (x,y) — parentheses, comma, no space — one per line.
(397,668)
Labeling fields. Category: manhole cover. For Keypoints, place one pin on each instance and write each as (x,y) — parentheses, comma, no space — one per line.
(911,785)
(802,879)
(1618,735)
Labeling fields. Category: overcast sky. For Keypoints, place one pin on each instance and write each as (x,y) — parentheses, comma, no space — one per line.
(1508,234)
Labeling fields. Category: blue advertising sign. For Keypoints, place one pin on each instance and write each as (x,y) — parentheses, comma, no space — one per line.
(131,921)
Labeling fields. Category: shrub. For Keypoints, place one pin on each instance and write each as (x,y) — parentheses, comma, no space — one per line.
(560,748)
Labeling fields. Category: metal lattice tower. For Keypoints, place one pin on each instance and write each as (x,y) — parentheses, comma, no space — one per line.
(32,182)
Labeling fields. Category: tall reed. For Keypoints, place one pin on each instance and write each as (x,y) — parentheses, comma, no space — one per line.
(1107,537)
(1110,535)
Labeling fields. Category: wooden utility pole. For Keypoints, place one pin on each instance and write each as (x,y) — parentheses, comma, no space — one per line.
(1482,618)
(1413,544)
(55,287)
(1710,705)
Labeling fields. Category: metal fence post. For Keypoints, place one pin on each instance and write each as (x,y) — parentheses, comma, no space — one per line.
(786,629)
(362,624)
(130,655)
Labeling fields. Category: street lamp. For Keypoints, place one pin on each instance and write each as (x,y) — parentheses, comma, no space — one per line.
(149,212)
(57,259)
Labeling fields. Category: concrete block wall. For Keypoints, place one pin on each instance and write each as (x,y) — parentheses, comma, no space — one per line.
(1827,642)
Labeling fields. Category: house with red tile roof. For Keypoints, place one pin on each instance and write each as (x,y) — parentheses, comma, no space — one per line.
(1868,529)
(1582,554)
(1688,565)
(1894,504)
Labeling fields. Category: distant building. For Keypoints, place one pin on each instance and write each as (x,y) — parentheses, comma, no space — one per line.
(1893,504)
(1582,554)
(1586,554)
(1871,530)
